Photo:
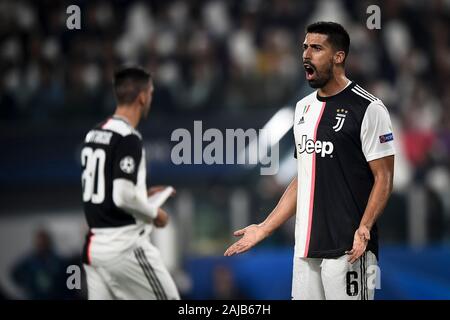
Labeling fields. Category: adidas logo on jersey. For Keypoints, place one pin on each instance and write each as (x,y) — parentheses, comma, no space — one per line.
(323,148)
(305,110)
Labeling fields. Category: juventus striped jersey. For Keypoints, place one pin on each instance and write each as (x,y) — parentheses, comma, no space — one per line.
(335,139)
(112,150)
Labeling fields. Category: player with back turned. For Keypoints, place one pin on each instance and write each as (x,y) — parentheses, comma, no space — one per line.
(345,164)
(119,260)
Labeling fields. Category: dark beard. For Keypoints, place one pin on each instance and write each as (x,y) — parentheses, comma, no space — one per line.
(321,81)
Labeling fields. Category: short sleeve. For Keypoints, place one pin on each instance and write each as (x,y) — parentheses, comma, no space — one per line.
(377,136)
(127,157)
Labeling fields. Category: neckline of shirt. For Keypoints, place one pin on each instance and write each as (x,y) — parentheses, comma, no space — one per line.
(116,117)
(349,85)
(123,119)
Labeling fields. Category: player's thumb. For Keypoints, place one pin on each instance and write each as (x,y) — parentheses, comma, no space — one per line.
(239,232)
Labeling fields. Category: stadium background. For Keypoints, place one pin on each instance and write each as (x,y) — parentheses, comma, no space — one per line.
(231,64)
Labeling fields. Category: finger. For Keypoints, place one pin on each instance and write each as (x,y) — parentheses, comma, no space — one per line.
(231,250)
(355,256)
(239,232)
(243,249)
(351,254)
(240,247)
(351,259)
(228,252)
(354,259)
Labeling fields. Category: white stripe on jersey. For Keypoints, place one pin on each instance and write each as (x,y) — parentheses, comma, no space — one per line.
(363,95)
(120,126)
(306,170)
(366,92)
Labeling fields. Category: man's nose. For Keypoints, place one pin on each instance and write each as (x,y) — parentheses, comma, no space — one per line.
(306,54)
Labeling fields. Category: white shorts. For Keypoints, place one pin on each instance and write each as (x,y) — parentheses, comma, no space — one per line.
(139,275)
(334,279)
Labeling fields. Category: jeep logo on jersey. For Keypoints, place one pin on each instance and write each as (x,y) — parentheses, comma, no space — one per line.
(127,165)
(321,147)
(340,117)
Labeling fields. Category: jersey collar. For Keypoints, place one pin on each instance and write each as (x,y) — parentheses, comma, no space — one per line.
(120,118)
(349,85)
(116,117)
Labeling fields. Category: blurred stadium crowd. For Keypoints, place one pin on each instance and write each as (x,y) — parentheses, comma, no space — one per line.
(206,55)
(239,57)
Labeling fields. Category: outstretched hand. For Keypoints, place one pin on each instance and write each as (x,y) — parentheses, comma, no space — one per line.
(251,235)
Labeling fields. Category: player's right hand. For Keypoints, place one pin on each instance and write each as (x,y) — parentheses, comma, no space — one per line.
(251,236)
(161,219)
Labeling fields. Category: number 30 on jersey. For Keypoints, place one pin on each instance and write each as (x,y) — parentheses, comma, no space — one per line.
(93,177)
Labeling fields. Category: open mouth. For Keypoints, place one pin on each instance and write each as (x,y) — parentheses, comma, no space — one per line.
(309,71)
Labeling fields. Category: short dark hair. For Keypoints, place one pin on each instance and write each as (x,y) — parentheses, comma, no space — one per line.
(337,35)
(129,81)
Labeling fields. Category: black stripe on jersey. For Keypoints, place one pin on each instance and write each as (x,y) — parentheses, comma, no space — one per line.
(347,168)
(365,275)
(360,279)
(361,274)
(152,272)
(158,283)
(148,275)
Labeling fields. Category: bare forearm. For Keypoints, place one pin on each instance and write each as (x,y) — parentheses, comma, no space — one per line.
(378,198)
(284,209)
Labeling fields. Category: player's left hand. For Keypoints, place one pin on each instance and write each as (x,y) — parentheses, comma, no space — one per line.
(155,189)
(360,241)
(161,219)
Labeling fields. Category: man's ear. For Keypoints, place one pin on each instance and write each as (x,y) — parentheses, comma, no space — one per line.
(141,98)
(339,57)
